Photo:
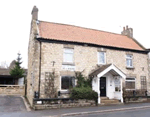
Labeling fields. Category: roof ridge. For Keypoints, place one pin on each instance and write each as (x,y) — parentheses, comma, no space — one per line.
(82,27)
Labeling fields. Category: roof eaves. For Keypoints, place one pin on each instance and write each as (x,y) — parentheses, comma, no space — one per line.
(106,46)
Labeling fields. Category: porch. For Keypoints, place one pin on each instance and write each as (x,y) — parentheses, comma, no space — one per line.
(107,82)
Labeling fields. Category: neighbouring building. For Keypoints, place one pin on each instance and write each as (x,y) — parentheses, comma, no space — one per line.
(7,79)
(113,61)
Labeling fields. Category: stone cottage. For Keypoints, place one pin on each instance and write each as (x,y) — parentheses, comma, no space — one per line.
(113,61)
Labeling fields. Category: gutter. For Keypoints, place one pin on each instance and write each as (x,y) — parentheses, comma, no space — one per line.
(89,44)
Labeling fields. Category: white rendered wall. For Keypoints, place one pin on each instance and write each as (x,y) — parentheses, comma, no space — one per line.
(95,84)
(110,87)
(20,81)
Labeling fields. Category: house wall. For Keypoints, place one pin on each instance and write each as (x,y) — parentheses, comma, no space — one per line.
(85,59)
(149,70)
(33,63)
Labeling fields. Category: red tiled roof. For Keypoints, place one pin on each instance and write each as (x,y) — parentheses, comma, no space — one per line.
(64,32)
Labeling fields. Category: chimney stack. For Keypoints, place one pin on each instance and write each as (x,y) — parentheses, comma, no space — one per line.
(127,32)
(35,13)
(123,28)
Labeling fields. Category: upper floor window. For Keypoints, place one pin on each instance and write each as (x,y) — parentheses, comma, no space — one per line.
(101,58)
(129,60)
(68,55)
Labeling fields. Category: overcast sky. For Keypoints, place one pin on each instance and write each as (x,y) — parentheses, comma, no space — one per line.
(107,15)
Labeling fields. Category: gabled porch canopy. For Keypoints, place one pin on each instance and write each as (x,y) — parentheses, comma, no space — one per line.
(108,68)
(106,87)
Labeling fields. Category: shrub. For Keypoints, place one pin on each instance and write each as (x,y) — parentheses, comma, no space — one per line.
(84,93)
(82,81)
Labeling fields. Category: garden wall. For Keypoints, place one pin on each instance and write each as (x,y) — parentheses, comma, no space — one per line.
(63,104)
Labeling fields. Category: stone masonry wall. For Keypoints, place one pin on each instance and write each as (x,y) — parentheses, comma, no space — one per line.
(33,63)
(64,104)
(85,59)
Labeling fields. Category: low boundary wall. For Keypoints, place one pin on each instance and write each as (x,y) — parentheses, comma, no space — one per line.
(12,90)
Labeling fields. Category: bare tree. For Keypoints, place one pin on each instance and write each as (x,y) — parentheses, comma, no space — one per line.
(4,64)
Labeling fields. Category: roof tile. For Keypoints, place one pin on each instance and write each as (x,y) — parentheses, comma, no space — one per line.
(64,32)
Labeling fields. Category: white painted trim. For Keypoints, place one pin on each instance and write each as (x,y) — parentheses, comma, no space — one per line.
(99,58)
(121,91)
(37,27)
(99,97)
(112,67)
(131,81)
(64,52)
(129,59)
(60,84)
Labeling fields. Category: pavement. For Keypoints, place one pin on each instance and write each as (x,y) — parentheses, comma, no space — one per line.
(14,107)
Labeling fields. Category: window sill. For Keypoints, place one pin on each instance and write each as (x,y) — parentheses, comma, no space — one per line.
(99,64)
(129,67)
(130,89)
(68,63)
(65,91)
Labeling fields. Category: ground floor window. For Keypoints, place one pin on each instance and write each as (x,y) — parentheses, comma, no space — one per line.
(67,82)
(130,83)
(143,82)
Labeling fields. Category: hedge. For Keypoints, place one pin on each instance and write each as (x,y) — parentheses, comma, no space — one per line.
(84,93)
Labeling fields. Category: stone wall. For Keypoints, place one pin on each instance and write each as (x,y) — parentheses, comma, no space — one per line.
(67,104)
(85,59)
(12,90)
(33,63)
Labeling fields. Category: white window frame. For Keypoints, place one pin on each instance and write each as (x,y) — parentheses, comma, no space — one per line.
(64,51)
(130,81)
(118,85)
(98,54)
(61,81)
(129,58)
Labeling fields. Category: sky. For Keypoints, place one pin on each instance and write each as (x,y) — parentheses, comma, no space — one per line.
(107,15)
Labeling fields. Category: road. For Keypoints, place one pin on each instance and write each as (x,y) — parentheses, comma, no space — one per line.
(127,113)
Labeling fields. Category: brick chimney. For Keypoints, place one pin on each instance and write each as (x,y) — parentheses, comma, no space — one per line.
(127,31)
(35,13)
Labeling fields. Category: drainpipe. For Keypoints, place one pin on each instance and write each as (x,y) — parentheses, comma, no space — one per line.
(39,71)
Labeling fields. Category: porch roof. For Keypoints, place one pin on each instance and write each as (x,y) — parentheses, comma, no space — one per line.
(108,68)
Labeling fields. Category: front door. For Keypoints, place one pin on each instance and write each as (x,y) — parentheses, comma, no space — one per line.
(102,86)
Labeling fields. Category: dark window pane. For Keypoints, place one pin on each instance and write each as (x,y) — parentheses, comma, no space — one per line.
(130,85)
(130,78)
(143,82)
(67,82)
